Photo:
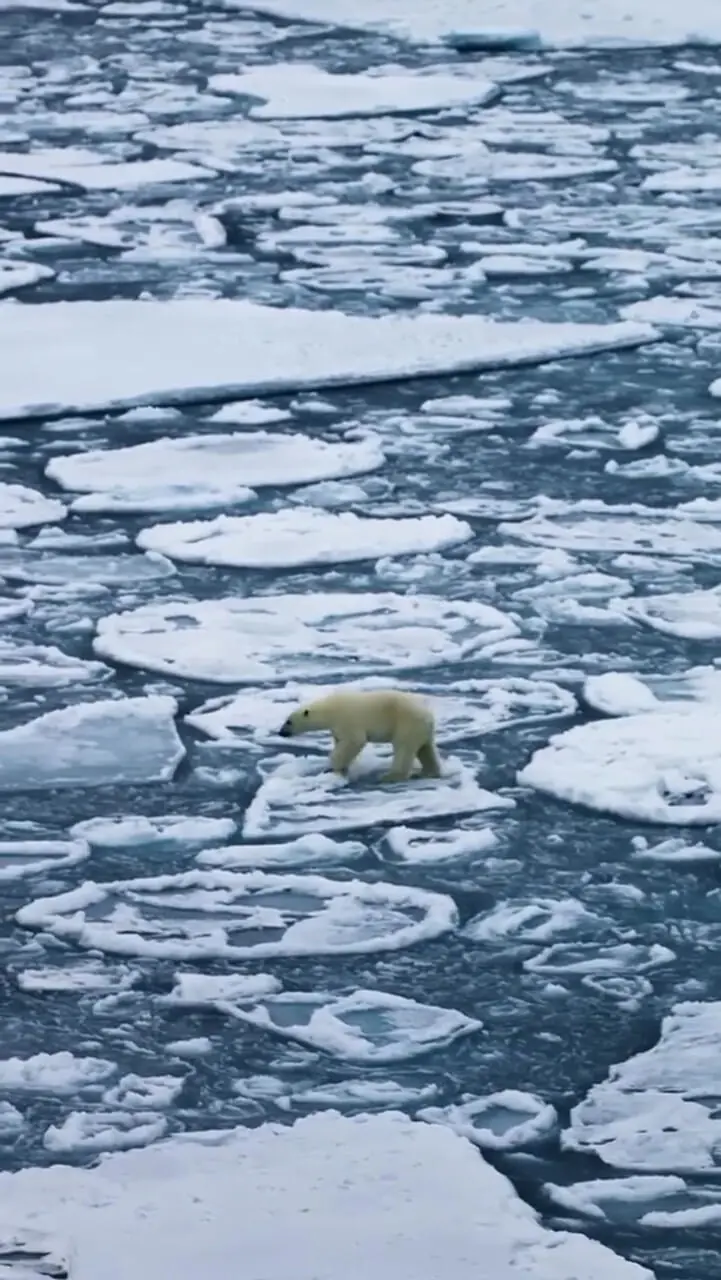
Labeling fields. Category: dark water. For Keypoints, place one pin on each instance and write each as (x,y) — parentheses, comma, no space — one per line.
(556,1048)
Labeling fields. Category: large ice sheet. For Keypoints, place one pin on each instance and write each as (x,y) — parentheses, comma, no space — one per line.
(662,766)
(277,638)
(658,1112)
(298,536)
(195,349)
(522,22)
(226,914)
(299,90)
(354,1196)
(302,795)
(463,709)
(93,744)
(193,472)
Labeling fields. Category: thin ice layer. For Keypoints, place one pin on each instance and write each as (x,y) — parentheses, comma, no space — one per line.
(302,795)
(283,637)
(217,348)
(354,1196)
(224,914)
(93,744)
(193,472)
(660,767)
(299,536)
(301,91)
(658,1111)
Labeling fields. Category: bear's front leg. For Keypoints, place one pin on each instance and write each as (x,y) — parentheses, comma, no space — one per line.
(345,752)
(402,766)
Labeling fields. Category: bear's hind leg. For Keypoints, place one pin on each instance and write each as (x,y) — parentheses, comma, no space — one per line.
(345,752)
(429,760)
(402,766)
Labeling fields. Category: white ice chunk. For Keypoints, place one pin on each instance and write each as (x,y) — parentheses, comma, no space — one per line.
(302,795)
(123,741)
(45,666)
(19,275)
(11,1120)
(617,693)
(354,1197)
(275,638)
(658,767)
(619,1199)
(90,172)
(373,1027)
(20,507)
(193,472)
(138,1093)
(505,1121)
(623,531)
(688,615)
(132,831)
(201,990)
(196,1047)
(92,1132)
(247,413)
(312,850)
(58,1073)
(82,977)
(20,858)
(220,347)
(301,91)
(658,1112)
(416,846)
(210,914)
(362,1095)
(298,536)
(529,920)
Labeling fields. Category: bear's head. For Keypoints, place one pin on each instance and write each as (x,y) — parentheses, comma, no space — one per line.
(300,721)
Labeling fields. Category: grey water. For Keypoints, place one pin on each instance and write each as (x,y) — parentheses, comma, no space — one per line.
(555,1048)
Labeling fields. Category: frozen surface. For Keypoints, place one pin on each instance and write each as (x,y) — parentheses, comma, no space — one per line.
(193,472)
(220,347)
(87,745)
(282,637)
(352,1194)
(658,1112)
(296,90)
(662,766)
(88,172)
(314,849)
(506,1121)
(132,831)
(209,914)
(21,508)
(302,795)
(299,536)
(524,22)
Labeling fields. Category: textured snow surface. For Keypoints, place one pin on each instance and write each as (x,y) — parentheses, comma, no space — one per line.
(352,1194)
(165,352)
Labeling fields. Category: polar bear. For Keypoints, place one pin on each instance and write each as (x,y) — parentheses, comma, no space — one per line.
(357,716)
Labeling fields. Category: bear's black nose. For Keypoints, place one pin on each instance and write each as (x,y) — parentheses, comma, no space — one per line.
(286,730)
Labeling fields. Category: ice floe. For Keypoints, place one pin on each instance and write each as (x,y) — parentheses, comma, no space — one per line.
(209,914)
(415,846)
(353,1195)
(74,169)
(662,766)
(658,1112)
(20,858)
(173,830)
(52,1073)
(16,275)
(623,530)
(530,920)
(505,1121)
(688,615)
(283,637)
(373,1027)
(93,1132)
(21,508)
(313,850)
(301,795)
(299,90)
(87,745)
(45,666)
(298,536)
(85,976)
(491,25)
(220,347)
(193,472)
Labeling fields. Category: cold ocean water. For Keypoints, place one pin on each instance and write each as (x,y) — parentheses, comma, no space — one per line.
(568,912)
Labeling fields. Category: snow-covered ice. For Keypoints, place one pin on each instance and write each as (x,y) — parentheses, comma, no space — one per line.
(190,473)
(277,638)
(298,536)
(87,171)
(313,850)
(84,976)
(45,666)
(463,708)
(687,615)
(661,766)
(353,1195)
(20,858)
(415,846)
(21,507)
(115,742)
(93,1132)
(52,1073)
(298,90)
(219,347)
(489,24)
(173,830)
(300,794)
(657,1112)
(373,1027)
(506,1121)
(216,913)
(530,920)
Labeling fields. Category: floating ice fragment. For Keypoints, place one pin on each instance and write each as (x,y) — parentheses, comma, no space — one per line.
(505,1121)
(20,858)
(617,693)
(20,275)
(11,1120)
(313,850)
(276,638)
(138,1093)
(81,977)
(296,536)
(215,914)
(220,347)
(58,1073)
(197,1047)
(529,920)
(198,990)
(92,1132)
(45,666)
(131,831)
(93,744)
(596,959)
(416,846)
(688,615)
(20,507)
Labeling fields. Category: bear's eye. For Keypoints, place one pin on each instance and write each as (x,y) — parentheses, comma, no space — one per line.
(305,714)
